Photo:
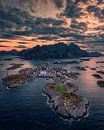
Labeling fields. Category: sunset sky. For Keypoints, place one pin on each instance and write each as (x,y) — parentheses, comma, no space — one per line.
(27,23)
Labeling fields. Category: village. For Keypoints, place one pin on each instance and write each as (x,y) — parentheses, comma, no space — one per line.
(57,74)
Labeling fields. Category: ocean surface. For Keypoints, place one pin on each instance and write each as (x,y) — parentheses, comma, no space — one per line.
(26,108)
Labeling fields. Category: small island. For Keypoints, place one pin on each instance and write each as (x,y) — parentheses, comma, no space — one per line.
(8,59)
(13,81)
(100,83)
(65,101)
(66,62)
(14,66)
(100,72)
(97,76)
(100,62)
(93,68)
(85,59)
(81,68)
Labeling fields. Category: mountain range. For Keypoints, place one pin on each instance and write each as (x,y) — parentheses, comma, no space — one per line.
(55,51)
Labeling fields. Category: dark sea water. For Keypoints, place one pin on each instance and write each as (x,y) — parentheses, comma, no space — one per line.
(26,108)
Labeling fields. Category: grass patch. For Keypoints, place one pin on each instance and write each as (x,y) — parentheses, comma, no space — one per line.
(61,88)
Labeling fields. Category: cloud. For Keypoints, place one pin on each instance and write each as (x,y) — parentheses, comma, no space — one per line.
(16,18)
(3,46)
(72,11)
(9,36)
(49,37)
(20,46)
(22,42)
(85,18)
(1,41)
(80,26)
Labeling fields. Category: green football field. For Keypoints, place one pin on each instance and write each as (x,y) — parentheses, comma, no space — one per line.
(61,88)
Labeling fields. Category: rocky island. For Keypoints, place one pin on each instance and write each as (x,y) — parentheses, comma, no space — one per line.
(14,66)
(100,72)
(81,68)
(17,80)
(97,76)
(100,83)
(65,101)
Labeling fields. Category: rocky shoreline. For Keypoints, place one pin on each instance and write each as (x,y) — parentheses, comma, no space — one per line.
(68,104)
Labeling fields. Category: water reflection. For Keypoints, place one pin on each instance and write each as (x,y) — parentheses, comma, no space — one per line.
(27,105)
